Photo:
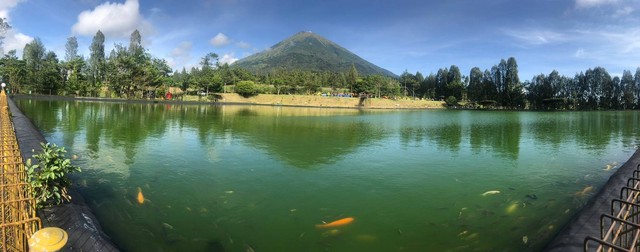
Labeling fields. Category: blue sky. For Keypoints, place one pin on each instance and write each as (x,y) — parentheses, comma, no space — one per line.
(566,35)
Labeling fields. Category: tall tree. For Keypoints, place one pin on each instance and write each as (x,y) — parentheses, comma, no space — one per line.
(489,88)
(4,27)
(352,77)
(13,71)
(209,80)
(636,91)
(71,49)
(97,62)
(428,87)
(454,84)
(474,89)
(442,81)
(51,77)
(135,44)
(33,55)
(627,86)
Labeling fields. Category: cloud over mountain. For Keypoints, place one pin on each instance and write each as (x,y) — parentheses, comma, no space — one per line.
(220,40)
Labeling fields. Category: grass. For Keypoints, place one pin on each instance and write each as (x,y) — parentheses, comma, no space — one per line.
(327,101)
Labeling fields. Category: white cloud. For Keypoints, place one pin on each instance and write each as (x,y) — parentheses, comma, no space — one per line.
(113,19)
(15,41)
(593,3)
(220,40)
(625,42)
(625,11)
(537,37)
(180,55)
(243,45)
(6,5)
(228,58)
(579,53)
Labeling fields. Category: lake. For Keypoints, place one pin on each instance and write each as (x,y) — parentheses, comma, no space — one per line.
(236,178)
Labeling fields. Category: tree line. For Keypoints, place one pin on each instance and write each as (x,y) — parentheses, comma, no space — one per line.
(130,71)
(500,86)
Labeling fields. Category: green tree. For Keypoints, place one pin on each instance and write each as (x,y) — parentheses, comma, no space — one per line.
(513,87)
(352,77)
(33,55)
(97,62)
(51,77)
(120,72)
(13,72)
(628,86)
(71,49)
(246,88)
(474,90)
(428,87)
(135,44)
(70,76)
(75,78)
(454,86)
(636,90)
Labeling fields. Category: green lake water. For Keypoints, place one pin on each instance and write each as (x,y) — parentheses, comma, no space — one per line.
(236,178)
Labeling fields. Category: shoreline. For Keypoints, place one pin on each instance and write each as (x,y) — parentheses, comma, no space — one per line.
(586,222)
(307,101)
(75,217)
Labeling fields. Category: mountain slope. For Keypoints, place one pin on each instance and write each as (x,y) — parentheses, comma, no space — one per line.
(311,52)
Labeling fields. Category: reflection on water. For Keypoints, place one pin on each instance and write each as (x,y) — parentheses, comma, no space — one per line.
(230,178)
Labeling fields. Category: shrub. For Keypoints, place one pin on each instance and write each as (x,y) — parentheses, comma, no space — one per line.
(451,101)
(49,178)
(246,88)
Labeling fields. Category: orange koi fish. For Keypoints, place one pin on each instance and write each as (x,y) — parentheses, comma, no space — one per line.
(340,222)
(140,196)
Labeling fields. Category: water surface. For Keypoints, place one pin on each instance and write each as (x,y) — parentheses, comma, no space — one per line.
(226,178)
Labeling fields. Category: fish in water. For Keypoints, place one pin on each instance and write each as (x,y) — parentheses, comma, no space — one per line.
(332,233)
(337,223)
(512,208)
(140,196)
(584,191)
(610,166)
(490,193)
(532,196)
(366,238)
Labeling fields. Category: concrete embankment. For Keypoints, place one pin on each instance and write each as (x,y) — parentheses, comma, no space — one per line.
(587,221)
(75,217)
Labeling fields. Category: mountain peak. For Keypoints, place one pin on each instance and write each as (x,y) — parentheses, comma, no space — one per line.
(308,51)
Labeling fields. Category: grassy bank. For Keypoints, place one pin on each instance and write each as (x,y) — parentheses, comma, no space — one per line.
(324,101)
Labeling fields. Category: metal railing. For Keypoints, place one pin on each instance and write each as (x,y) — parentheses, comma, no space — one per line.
(18,219)
(620,229)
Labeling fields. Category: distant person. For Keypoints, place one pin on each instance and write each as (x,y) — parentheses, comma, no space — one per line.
(168,96)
